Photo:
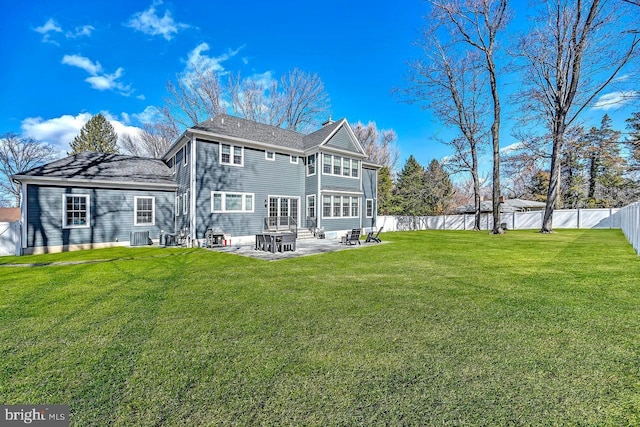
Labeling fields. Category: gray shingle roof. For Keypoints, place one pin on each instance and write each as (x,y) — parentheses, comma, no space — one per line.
(246,129)
(105,167)
(318,137)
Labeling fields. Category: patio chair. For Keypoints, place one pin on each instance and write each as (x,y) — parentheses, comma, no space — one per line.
(263,243)
(374,237)
(286,243)
(353,237)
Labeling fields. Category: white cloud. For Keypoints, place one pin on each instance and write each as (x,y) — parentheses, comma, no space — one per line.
(512,147)
(150,114)
(51,26)
(83,63)
(84,30)
(60,131)
(613,100)
(197,59)
(151,23)
(98,80)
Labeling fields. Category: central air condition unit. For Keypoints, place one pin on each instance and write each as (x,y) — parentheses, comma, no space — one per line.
(139,238)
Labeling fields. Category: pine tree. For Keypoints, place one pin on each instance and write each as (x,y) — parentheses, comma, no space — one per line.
(633,124)
(439,189)
(96,135)
(410,189)
(385,196)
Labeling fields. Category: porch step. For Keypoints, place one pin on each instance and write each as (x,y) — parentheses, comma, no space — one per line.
(305,234)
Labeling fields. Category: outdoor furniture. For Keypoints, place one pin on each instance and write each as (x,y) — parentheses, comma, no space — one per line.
(374,237)
(263,242)
(352,237)
(286,242)
(213,238)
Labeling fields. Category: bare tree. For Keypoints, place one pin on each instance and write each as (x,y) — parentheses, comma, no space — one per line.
(19,154)
(304,100)
(460,48)
(256,99)
(573,52)
(150,142)
(378,144)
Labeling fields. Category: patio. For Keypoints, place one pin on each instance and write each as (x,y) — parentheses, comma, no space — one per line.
(304,247)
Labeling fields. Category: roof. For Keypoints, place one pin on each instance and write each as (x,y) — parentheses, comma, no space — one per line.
(246,129)
(9,214)
(103,167)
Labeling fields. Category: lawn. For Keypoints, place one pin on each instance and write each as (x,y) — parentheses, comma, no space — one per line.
(434,328)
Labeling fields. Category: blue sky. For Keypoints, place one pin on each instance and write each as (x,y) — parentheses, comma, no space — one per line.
(64,61)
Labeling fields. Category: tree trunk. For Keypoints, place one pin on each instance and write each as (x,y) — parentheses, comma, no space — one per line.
(554,176)
(495,137)
(476,189)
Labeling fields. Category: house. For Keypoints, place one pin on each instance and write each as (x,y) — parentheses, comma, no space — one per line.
(227,173)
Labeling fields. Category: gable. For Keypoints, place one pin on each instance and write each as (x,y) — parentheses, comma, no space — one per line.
(342,140)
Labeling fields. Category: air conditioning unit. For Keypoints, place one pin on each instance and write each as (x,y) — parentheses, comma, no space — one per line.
(139,238)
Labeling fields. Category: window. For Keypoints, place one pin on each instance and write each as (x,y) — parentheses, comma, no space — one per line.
(177,210)
(369,208)
(293,159)
(311,206)
(231,155)
(185,203)
(355,168)
(340,206)
(184,155)
(75,211)
(337,165)
(340,166)
(326,168)
(270,155)
(231,202)
(311,165)
(326,206)
(144,211)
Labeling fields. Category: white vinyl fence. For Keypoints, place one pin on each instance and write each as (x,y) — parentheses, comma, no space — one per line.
(562,218)
(630,224)
(9,238)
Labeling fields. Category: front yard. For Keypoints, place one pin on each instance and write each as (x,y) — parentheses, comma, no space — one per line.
(435,328)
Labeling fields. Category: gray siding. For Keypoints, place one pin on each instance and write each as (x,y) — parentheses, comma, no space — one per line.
(334,224)
(258,176)
(111,211)
(342,140)
(335,181)
(369,188)
(182,177)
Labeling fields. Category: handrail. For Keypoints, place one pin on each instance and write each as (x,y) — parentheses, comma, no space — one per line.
(279,223)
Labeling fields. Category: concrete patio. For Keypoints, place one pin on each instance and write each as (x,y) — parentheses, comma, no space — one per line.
(304,247)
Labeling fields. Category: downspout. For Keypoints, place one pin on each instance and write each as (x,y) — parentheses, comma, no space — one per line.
(319,171)
(192,190)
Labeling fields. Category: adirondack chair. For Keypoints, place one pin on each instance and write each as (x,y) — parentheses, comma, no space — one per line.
(353,237)
(374,237)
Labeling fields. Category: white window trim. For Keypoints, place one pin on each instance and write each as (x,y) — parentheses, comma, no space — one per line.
(315,169)
(341,174)
(224,202)
(175,166)
(64,211)
(231,163)
(185,203)
(291,159)
(135,211)
(184,155)
(341,206)
(366,208)
(315,205)
(177,207)
(266,155)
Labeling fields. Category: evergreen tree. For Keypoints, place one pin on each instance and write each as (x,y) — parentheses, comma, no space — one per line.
(410,189)
(96,135)
(539,186)
(439,189)
(385,195)
(633,124)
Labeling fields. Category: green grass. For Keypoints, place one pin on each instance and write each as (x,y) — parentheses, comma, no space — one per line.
(435,328)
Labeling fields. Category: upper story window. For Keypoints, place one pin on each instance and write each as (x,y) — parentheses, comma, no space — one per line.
(231,155)
(144,211)
(311,165)
(75,211)
(340,166)
(293,159)
(185,155)
(270,155)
